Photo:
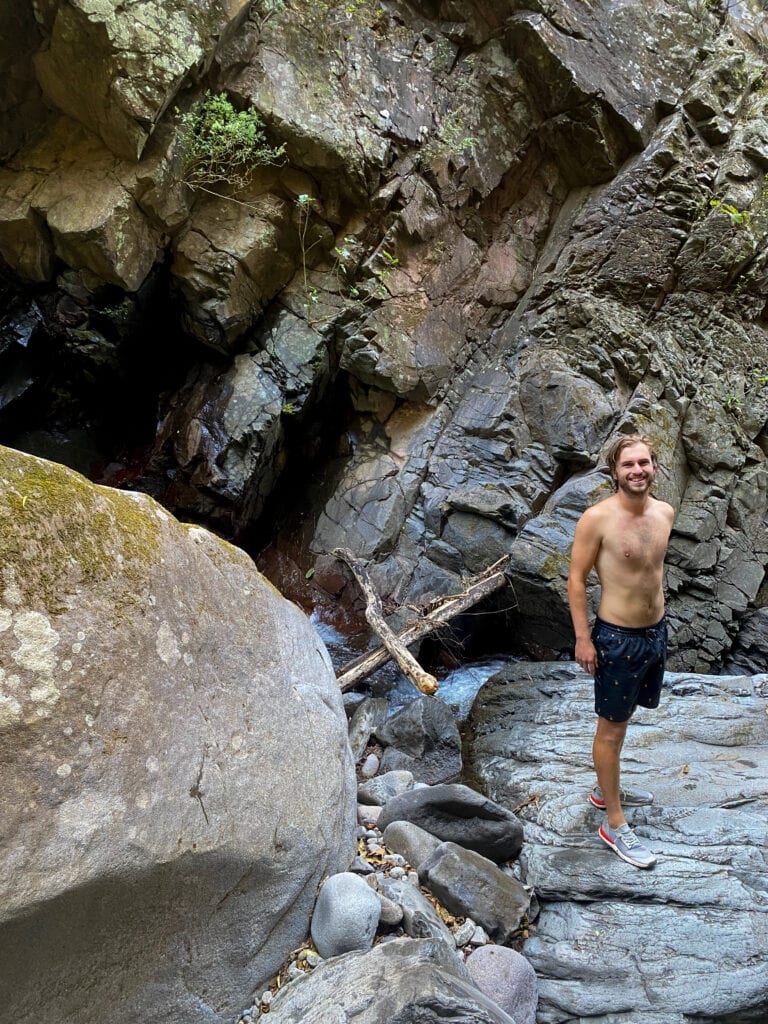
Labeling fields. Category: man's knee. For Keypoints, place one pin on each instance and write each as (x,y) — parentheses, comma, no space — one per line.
(611,732)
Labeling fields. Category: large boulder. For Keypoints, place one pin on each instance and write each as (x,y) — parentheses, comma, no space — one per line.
(176,773)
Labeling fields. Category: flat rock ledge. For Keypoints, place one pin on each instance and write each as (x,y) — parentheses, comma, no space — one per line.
(687,940)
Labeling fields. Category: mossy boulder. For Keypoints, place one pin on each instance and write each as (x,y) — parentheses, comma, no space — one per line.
(163,835)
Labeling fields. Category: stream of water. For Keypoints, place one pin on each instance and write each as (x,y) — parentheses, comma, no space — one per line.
(458,686)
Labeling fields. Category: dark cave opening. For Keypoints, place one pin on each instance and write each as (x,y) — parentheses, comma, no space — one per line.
(82,374)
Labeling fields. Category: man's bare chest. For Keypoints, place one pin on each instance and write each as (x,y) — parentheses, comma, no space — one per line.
(637,545)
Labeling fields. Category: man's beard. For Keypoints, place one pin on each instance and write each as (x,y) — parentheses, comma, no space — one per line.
(633,488)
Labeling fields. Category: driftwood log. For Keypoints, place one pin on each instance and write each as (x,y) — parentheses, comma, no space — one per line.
(434,615)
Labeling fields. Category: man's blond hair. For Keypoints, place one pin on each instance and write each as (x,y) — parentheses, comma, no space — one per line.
(617,447)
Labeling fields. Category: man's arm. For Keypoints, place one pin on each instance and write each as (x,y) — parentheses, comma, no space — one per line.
(586,544)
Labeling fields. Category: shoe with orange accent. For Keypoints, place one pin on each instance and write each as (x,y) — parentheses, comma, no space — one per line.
(624,842)
(628,797)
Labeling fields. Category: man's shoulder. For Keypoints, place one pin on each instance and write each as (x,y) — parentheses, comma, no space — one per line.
(596,516)
(664,508)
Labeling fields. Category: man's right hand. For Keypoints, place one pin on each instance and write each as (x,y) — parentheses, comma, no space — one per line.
(586,655)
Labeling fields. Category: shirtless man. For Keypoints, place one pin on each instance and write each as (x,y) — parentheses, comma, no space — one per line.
(624,538)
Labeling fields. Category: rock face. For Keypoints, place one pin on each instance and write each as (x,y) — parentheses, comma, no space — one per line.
(21,104)
(498,239)
(176,773)
(749,654)
(138,56)
(700,918)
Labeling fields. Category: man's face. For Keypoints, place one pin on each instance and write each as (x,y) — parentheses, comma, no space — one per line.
(634,470)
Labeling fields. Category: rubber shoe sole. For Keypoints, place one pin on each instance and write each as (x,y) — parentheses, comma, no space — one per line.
(628,797)
(627,846)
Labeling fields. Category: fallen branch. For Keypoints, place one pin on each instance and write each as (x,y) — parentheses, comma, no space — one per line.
(374,614)
(432,617)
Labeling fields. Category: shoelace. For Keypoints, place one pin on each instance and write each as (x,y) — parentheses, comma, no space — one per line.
(628,838)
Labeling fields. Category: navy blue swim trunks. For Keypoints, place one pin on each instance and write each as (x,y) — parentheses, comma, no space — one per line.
(630,668)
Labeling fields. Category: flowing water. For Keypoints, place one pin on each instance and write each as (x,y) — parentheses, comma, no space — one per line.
(458,686)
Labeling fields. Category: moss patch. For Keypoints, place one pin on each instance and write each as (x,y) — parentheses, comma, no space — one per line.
(59,533)
(557,563)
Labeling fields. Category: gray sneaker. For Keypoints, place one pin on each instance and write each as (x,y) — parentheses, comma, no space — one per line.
(624,842)
(628,797)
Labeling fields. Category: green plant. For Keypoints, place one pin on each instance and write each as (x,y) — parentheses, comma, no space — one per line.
(740,217)
(304,206)
(450,139)
(382,274)
(760,377)
(344,265)
(443,54)
(368,12)
(221,144)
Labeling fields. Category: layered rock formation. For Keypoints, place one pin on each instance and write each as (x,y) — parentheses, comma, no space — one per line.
(686,941)
(504,232)
(176,773)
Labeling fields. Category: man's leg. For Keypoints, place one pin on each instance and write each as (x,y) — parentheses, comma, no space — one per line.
(606,748)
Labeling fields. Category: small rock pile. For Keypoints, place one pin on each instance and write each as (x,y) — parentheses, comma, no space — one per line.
(433,896)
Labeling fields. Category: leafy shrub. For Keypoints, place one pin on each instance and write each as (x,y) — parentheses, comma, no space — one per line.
(221,144)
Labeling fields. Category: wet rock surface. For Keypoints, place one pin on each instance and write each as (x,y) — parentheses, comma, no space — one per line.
(699,919)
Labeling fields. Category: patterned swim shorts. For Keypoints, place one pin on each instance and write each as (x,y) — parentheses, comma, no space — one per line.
(630,668)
